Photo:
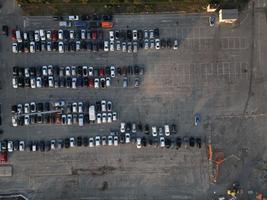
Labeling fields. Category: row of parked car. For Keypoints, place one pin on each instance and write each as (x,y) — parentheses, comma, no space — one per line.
(72,76)
(113,139)
(75,113)
(155,131)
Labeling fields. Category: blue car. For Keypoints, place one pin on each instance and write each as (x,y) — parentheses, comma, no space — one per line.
(197,119)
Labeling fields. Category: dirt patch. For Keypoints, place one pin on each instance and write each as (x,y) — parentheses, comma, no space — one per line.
(100,171)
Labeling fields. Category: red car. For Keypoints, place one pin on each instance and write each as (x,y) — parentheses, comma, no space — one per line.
(54,35)
(13,34)
(94,35)
(91,83)
(102,72)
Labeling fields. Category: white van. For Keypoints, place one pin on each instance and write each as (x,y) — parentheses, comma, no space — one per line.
(18,36)
(167,130)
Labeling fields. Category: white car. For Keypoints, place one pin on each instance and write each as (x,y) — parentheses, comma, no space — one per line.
(53,144)
(69,119)
(26,108)
(81,119)
(60,47)
(167,130)
(134,35)
(21,146)
(109,117)
(152,44)
(74,107)
(48,35)
(127,138)
(73,83)
(110,140)
(118,45)
(67,71)
(51,81)
(72,34)
(116,140)
(90,71)
(124,47)
(27,72)
(91,142)
(133,127)
(157,41)
(14,121)
(34,147)
(162,141)
(104,117)
(114,116)
(20,108)
(60,34)
(106,46)
(146,42)
(44,70)
(48,46)
(73,70)
(50,70)
(15,47)
(154,131)
(72,142)
(80,107)
(138,143)
(112,71)
(83,34)
(97,141)
(38,82)
(37,36)
(10,146)
(32,47)
(78,45)
(122,127)
(151,34)
(42,35)
(98,118)
(15,82)
(33,82)
(104,140)
(26,120)
(108,82)
(96,83)
(111,46)
(103,106)
(175,45)
(145,34)
(111,36)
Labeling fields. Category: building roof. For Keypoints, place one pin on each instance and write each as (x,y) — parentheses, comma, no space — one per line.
(229,13)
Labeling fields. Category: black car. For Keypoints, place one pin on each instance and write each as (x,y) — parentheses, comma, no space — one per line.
(21,120)
(173,129)
(150,141)
(185,141)
(48,146)
(136,70)
(178,142)
(62,82)
(20,47)
(85,81)
(117,35)
(27,82)
(26,47)
(66,34)
(198,142)
(140,44)
(72,46)
(140,127)
(168,143)
(85,141)
(67,46)
(21,82)
(47,119)
(33,119)
(100,35)
(32,71)
(79,141)
(43,46)
(54,46)
(107,17)
(140,35)
(14,109)
(191,141)
(123,35)
(129,35)
(31,36)
(16,71)
(169,43)
(103,83)
(86,119)
(5,30)
(122,138)
(67,143)
(83,45)
(118,70)
(107,71)
(144,141)
(163,43)
(156,142)
(42,145)
(89,46)
(56,70)
(96,72)
(40,107)
(4,145)
(38,46)
(78,35)
(45,81)
(21,71)
(95,47)
(79,70)
(98,106)
(128,126)
(147,129)
(40,119)
(16,145)
(156,33)
(68,82)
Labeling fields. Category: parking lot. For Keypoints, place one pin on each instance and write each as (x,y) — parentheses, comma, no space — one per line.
(210,73)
